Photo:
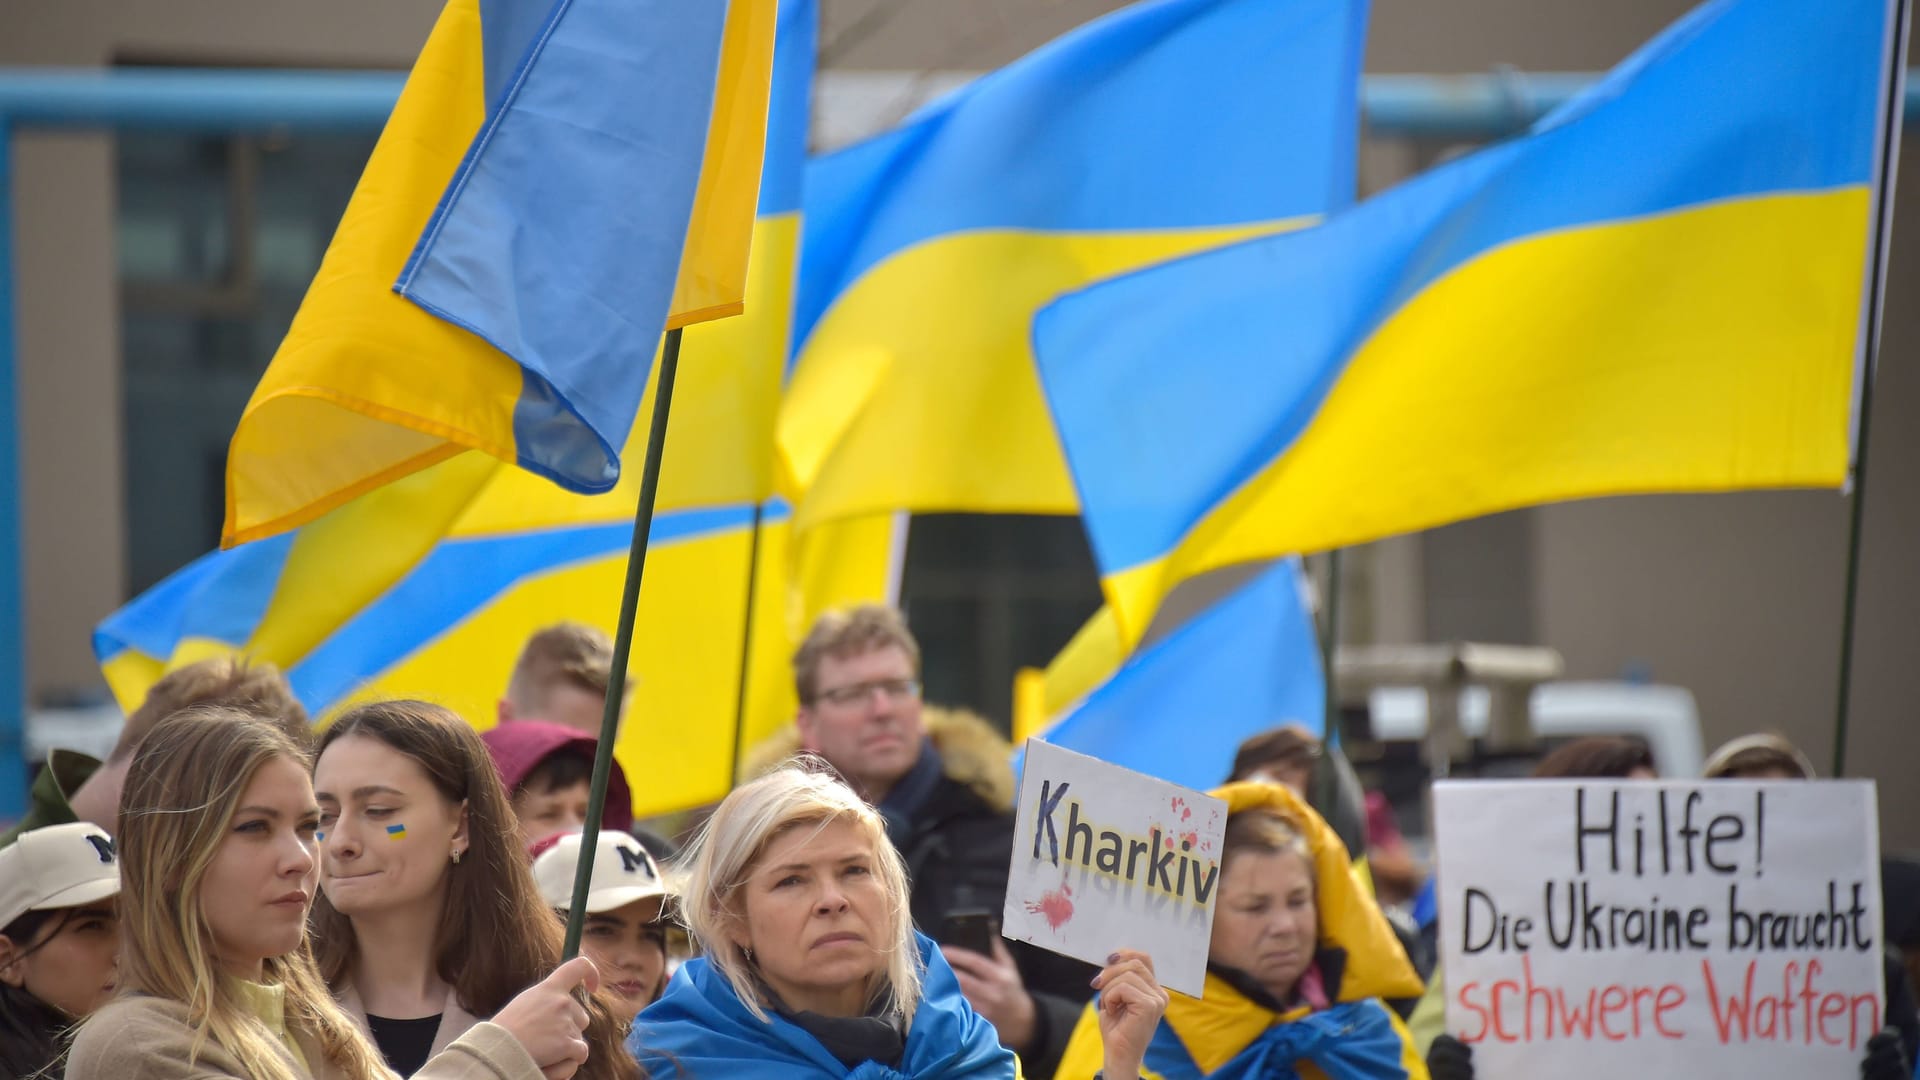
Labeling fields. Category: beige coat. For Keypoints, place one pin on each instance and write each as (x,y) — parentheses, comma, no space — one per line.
(147,1038)
(454,1022)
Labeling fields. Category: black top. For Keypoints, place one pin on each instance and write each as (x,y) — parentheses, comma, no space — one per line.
(406,1044)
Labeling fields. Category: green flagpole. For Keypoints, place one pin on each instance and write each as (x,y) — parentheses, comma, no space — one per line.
(746,648)
(622,642)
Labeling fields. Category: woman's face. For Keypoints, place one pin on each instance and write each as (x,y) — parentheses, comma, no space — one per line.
(387,834)
(629,946)
(817,918)
(260,883)
(71,962)
(1265,923)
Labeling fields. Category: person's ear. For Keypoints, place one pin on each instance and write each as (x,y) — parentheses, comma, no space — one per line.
(459,837)
(13,968)
(503,713)
(803,723)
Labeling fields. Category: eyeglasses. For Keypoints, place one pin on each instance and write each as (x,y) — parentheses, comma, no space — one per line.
(894,689)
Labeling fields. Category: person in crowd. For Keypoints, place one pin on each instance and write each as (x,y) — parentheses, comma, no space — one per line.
(1766,756)
(811,965)
(547,770)
(216,841)
(1760,756)
(1599,757)
(944,784)
(625,931)
(75,787)
(59,941)
(561,677)
(1299,962)
(1288,755)
(428,919)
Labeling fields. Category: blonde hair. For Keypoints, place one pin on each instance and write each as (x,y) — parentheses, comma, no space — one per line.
(564,654)
(186,781)
(841,634)
(723,856)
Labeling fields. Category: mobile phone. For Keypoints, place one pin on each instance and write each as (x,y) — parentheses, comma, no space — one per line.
(973,930)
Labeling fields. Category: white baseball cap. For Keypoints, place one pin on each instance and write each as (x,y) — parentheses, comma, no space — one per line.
(622,871)
(58,866)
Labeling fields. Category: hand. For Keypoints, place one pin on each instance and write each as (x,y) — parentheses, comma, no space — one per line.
(993,987)
(549,1020)
(1886,1058)
(1450,1059)
(1131,1004)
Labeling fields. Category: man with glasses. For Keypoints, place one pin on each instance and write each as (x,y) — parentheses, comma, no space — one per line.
(943,782)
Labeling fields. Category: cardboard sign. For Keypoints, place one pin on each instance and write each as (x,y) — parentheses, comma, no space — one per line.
(1106,858)
(1639,928)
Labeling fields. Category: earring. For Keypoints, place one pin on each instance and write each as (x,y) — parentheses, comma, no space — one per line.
(748,949)
(456,856)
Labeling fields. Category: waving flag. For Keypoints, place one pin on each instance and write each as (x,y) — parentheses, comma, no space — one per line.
(1661,287)
(559,180)
(1168,127)
(429,586)
(1180,708)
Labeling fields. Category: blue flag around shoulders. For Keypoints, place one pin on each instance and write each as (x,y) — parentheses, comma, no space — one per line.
(1178,709)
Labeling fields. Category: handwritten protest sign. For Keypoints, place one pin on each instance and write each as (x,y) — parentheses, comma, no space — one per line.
(1619,928)
(1107,858)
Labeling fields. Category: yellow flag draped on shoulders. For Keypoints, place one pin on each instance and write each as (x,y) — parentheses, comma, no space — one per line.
(519,238)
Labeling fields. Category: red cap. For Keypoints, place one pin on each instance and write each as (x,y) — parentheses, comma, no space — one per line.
(519,746)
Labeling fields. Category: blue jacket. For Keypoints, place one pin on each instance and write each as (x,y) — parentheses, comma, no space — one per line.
(700,1030)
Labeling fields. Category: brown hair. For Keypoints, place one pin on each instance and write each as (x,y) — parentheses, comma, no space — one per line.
(1289,744)
(841,634)
(232,681)
(564,654)
(185,784)
(1263,832)
(1758,753)
(497,936)
(1599,757)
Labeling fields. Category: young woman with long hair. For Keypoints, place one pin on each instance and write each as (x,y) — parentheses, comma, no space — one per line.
(428,917)
(216,981)
(59,941)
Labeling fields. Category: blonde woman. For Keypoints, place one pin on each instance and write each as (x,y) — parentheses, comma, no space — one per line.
(217,859)
(812,967)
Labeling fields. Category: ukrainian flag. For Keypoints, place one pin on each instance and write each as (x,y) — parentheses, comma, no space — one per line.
(429,586)
(1168,127)
(504,269)
(1180,708)
(1661,287)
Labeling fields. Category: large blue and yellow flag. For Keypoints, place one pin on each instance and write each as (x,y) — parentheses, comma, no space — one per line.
(1661,287)
(430,585)
(1168,127)
(1179,708)
(558,181)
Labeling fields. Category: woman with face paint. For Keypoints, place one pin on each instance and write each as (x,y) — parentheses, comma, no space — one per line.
(59,940)
(216,841)
(428,919)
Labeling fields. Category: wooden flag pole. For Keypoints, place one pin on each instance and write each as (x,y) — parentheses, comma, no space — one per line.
(1892,117)
(622,642)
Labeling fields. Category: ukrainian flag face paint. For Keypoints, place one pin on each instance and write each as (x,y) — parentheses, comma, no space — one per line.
(397,832)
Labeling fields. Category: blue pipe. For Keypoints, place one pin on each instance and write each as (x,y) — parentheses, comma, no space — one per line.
(13,691)
(208,99)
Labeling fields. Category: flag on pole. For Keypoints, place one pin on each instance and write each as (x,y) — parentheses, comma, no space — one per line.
(1661,287)
(1167,127)
(1180,708)
(559,180)
(429,586)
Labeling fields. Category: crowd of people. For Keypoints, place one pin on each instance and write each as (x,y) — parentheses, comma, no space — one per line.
(231,895)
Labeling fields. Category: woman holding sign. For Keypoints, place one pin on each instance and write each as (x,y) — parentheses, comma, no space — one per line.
(1299,960)
(812,967)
